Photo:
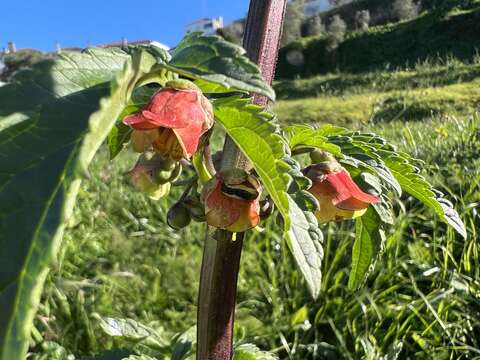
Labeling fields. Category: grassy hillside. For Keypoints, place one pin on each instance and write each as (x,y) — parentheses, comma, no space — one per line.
(438,33)
(425,92)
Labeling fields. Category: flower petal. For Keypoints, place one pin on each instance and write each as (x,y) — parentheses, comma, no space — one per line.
(348,195)
(139,122)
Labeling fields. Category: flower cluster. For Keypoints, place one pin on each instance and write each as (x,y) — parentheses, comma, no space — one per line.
(170,126)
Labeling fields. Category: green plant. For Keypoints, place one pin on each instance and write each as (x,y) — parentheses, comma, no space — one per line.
(161,96)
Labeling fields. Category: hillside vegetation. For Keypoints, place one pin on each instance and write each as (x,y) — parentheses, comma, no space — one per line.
(428,90)
(442,33)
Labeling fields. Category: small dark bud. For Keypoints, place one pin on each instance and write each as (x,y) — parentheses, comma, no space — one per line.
(266,208)
(195,208)
(178,216)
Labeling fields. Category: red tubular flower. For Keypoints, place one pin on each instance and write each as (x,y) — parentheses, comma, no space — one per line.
(180,115)
(339,197)
(235,206)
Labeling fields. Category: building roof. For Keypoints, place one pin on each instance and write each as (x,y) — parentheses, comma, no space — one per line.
(199,21)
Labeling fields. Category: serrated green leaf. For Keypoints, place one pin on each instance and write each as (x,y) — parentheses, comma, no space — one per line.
(38,181)
(133,331)
(369,183)
(212,59)
(258,138)
(208,87)
(384,210)
(403,168)
(101,122)
(304,136)
(419,188)
(368,238)
(68,73)
(251,352)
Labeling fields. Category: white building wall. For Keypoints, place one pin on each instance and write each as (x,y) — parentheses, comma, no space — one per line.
(207,26)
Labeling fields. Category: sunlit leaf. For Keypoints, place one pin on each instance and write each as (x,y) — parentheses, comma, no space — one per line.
(59,127)
(214,60)
(368,239)
(304,136)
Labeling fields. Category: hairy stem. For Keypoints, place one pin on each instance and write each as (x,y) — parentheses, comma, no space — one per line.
(221,258)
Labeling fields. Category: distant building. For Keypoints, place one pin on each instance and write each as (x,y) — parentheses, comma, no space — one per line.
(313,7)
(207,26)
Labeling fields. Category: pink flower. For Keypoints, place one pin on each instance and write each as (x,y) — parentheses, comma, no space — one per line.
(233,207)
(173,122)
(339,196)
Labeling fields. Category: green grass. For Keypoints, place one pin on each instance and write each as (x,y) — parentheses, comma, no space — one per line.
(428,90)
(120,259)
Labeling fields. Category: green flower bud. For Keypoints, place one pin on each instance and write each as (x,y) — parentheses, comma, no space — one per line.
(162,176)
(178,216)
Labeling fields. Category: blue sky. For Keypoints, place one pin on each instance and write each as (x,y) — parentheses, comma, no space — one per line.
(40,24)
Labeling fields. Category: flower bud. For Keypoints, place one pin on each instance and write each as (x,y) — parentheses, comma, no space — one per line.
(232,205)
(145,175)
(266,208)
(178,216)
(143,180)
(162,176)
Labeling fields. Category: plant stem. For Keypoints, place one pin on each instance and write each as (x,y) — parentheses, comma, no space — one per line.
(221,257)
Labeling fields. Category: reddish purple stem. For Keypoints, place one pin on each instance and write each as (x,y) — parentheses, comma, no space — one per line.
(221,260)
